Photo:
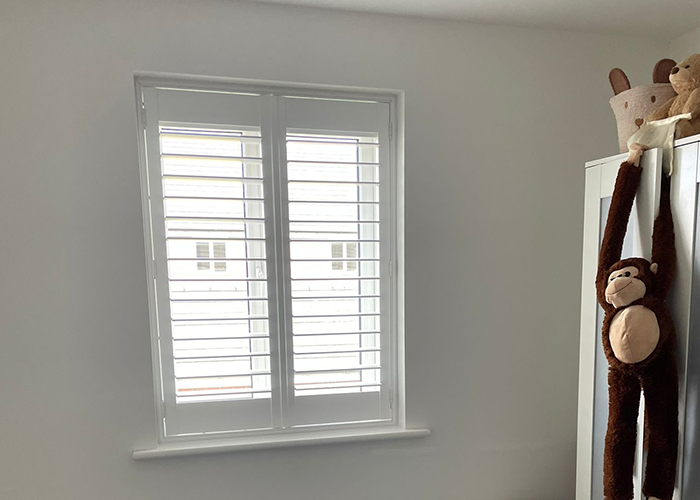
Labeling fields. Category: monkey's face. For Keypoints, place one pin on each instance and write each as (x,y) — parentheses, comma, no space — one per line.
(624,287)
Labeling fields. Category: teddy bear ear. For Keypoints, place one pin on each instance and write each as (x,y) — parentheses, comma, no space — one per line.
(662,70)
(619,81)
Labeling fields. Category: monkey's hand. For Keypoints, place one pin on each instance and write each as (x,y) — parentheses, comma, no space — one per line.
(636,152)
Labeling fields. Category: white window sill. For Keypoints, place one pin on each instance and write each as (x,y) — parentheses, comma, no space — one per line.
(277,441)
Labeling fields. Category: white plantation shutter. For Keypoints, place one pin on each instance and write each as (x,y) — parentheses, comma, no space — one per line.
(334,197)
(207,200)
(270,228)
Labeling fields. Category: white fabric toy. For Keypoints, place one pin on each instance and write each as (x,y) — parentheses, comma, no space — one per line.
(659,134)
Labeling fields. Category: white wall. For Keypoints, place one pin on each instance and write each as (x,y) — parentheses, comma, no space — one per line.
(499,123)
(685,45)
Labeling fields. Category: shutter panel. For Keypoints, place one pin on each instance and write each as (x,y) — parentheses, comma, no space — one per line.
(206,180)
(337,201)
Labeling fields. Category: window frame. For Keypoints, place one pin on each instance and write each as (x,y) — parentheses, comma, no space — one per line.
(395,100)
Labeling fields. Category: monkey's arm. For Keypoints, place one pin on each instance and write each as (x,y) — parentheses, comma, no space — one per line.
(626,185)
(663,242)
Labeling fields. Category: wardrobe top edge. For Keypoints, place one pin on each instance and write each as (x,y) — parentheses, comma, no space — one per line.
(621,157)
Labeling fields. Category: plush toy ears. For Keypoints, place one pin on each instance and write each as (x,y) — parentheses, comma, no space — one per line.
(662,70)
(654,267)
(619,81)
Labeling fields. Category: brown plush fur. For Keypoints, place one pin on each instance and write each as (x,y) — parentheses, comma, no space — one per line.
(657,375)
(685,79)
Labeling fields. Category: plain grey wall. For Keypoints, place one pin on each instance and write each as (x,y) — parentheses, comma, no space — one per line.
(499,123)
(685,45)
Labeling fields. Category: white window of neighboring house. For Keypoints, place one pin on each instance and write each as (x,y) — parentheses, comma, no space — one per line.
(203,253)
(340,250)
(207,249)
(272,230)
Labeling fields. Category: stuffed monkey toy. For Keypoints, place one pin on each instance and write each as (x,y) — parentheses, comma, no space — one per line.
(639,341)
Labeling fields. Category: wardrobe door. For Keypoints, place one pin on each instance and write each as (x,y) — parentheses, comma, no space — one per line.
(685,307)
(593,367)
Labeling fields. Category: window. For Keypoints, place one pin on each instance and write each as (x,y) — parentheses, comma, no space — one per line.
(271,226)
(340,250)
(203,253)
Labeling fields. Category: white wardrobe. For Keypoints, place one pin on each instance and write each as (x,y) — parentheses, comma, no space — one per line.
(684,303)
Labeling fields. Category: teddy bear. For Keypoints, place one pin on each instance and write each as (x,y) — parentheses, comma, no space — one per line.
(685,79)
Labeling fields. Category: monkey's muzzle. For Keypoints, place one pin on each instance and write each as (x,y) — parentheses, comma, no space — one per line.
(623,291)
